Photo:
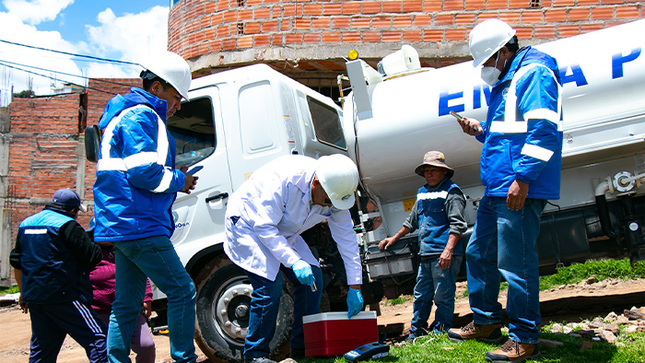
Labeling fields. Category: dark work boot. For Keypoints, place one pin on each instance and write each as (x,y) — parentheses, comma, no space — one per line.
(513,351)
(488,333)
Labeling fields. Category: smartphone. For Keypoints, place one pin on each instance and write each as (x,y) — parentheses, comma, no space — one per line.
(456,115)
(195,169)
(460,118)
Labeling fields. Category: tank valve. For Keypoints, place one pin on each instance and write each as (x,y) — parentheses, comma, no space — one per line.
(624,182)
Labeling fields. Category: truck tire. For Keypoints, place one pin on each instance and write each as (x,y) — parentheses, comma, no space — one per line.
(222,307)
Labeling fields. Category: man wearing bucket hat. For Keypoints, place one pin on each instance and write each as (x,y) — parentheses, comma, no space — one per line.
(264,219)
(438,214)
(52,259)
(136,185)
(520,168)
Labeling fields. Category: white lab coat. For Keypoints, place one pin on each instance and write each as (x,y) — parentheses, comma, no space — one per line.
(272,208)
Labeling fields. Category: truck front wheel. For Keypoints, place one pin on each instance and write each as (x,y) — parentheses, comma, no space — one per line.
(223,306)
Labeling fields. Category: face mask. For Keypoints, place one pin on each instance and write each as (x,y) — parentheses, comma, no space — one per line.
(491,75)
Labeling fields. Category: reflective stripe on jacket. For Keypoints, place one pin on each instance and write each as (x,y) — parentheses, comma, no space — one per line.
(434,225)
(136,182)
(523,133)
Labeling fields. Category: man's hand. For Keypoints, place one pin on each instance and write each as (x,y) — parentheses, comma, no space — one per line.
(386,243)
(354,301)
(470,126)
(23,305)
(445,259)
(517,193)
(190,182)
(147,309)
(303,272)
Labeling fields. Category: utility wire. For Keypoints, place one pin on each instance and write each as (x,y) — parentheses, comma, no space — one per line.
(53,78)
(5,62)
(72,54)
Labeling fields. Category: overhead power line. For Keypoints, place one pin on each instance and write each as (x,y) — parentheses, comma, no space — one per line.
(72,54)
(6,62)
(53,78)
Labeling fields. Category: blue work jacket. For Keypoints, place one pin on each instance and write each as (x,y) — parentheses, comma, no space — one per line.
(522,134)
(51,272)
(434,225)
(136,180)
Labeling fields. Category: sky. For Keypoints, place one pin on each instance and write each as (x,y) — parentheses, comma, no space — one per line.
(125,30)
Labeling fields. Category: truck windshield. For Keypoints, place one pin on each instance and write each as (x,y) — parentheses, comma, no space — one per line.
(193,130)
(326,123)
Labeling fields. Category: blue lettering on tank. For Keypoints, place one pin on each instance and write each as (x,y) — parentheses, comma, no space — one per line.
(477,95)
(445,97)
(617,61)
(568,74)
(576,75)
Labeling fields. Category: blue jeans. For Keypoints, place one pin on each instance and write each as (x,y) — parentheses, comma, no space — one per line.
(155,258)
(265,302)
(503,244)
(438,285)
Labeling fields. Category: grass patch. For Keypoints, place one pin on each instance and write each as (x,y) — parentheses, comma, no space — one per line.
(9,290)
(438,349)
(601,269)
(464,294)
(398,301)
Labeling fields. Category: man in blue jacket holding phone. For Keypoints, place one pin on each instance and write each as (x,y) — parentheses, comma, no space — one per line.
(136,184)
(520,168)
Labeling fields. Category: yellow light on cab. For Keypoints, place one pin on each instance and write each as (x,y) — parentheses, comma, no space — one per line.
(353,54)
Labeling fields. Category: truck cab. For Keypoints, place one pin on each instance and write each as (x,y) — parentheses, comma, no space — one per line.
(234,122)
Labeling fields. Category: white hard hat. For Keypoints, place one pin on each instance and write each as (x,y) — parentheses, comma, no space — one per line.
(487,38)
(172,68)
(338,176)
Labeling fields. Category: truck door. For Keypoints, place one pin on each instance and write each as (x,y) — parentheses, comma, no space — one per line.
(199,136)
(260,134)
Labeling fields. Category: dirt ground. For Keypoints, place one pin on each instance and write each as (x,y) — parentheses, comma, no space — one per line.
(565,303)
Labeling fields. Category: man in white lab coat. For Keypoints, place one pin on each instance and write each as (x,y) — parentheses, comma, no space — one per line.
(264,219)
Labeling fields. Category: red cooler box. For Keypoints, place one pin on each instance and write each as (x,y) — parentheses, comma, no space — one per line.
(330,334)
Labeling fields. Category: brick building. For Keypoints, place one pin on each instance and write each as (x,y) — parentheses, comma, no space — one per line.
(41,146)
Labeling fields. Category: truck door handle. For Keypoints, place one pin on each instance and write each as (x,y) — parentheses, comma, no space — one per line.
(216,197)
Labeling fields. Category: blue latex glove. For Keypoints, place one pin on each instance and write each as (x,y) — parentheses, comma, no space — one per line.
(354,302)
(303,272)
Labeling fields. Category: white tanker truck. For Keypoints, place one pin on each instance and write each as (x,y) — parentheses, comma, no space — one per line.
(238,120)
(391,121)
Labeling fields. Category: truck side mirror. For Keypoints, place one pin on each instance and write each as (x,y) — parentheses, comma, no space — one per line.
(92,143)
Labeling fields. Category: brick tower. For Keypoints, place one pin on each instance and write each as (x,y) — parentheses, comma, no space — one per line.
(307,39)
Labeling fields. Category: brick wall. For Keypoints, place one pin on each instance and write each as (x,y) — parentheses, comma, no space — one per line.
(47,150)
(43,151)
(199,27)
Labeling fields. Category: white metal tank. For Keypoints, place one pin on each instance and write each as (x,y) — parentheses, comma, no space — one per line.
(604,91)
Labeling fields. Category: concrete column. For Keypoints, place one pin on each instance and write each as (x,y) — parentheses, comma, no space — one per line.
(5,214)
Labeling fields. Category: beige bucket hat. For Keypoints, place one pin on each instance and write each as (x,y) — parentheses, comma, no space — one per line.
(434,158)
